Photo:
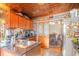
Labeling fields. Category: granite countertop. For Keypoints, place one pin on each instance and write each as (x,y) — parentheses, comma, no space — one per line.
(20,50)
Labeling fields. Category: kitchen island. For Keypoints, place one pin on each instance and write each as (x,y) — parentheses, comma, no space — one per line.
(19,50)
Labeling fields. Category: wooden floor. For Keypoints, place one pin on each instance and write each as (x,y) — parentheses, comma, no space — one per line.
(38,51)
(56,51)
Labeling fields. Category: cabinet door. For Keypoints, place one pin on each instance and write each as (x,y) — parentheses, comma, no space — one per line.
(14,20)
(26,24)
(7,20)
(23,23)
(20,22)
(11,20)
(31,24)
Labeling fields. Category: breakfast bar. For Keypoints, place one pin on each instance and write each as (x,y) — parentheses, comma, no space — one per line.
(19,49)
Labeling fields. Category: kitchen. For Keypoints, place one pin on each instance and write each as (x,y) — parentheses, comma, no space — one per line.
(35,29)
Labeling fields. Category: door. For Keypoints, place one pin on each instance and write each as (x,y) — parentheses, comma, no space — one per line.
(55,36)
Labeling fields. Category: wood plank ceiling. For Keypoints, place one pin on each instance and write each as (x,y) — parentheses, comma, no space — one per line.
(33,10)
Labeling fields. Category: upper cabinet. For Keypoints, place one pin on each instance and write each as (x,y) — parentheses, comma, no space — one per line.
(25,23)
(15,21)
(7,19)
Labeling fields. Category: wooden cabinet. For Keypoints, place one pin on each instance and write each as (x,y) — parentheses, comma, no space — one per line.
(44,40)
(15,21)
(11,20)
(7,20)
(30,24)
(20,22)
(32,38)
(25,23)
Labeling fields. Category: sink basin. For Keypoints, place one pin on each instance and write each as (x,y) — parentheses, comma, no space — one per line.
(29,43)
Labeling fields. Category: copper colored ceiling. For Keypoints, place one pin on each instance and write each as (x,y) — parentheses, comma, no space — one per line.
(33,10)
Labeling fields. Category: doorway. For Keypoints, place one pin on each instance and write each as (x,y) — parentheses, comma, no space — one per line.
(53,31)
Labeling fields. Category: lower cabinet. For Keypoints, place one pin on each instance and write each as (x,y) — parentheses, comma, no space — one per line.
(44,40)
